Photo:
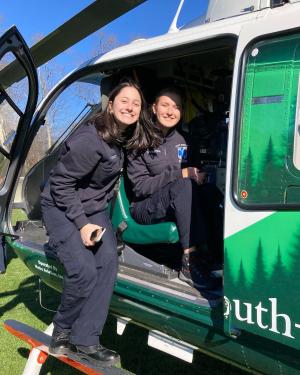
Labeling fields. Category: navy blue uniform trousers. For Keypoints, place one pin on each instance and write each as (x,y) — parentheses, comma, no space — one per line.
(173,202)
(90,274)
(193,208)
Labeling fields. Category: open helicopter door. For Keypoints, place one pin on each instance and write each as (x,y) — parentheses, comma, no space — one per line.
(262,220)
(17,105)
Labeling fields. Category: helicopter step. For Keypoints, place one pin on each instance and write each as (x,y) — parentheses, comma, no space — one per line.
(39,341)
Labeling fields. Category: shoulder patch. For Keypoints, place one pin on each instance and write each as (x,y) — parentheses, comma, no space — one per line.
(182,152)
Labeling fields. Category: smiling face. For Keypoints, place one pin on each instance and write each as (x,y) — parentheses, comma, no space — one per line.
(126,107)
(168,110)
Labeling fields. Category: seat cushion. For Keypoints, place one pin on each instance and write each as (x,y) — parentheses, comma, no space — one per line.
(135,233)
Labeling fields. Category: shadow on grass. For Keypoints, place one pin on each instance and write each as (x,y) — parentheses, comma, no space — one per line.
(52,365)
(6,255)
(27,294)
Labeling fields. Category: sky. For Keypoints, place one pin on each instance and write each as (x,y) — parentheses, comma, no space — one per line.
(36,18)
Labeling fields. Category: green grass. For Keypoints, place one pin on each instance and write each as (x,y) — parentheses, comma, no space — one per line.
(19,300)
(18,215)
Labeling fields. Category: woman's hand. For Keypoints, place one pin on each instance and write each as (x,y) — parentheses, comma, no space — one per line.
(195,174)
(86,233)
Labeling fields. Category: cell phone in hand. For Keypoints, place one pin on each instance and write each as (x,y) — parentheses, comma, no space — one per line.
(97,234)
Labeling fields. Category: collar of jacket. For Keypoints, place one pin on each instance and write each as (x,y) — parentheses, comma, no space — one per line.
(169,134)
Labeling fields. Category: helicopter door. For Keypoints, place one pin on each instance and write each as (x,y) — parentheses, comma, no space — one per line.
(17,105)
(262,220)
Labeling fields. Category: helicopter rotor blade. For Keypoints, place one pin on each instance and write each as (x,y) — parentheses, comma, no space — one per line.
(89,20)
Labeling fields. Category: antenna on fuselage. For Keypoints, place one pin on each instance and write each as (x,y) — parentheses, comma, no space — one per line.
(173,27)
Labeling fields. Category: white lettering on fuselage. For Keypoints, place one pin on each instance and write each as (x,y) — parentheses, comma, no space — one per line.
(258,315)
(50,269)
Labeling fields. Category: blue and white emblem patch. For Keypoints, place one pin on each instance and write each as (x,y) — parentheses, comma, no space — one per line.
(182,153)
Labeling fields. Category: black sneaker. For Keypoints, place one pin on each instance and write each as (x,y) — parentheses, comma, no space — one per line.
(59,342)
(191,273)
(96,355)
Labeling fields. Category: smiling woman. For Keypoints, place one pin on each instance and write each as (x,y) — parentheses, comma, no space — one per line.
(126,107)
(75,205)
(167,187)
(168,110)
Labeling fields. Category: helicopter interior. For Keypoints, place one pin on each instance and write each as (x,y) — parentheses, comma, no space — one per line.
(149,254)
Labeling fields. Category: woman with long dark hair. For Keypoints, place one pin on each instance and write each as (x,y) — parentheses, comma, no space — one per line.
(166,188)
(75,211)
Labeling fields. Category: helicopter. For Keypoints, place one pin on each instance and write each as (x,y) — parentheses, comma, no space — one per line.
(239,65)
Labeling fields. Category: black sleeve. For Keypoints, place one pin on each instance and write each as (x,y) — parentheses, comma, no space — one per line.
(142,183)
(81,156)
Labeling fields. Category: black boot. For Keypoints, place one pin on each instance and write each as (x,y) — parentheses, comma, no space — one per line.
(210,263)
(96,355)
(59,342)
(193,274)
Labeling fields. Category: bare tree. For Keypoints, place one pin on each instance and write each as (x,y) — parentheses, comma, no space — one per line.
(57,116)
(104,43)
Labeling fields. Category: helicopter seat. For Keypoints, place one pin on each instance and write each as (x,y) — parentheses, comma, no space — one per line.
(140,234)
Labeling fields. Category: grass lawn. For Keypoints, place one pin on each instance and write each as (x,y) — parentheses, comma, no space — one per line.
(19,300)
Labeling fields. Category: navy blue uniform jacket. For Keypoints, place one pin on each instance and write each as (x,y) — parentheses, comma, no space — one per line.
(83,179)
(155,168)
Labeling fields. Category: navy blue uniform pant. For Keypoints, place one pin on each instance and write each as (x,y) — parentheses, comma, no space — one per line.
(173,202)
(193,208)
(90,274)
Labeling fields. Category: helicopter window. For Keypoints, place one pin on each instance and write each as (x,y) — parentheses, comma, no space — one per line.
(9,120)
(64,114)
(267,176)
(13,100)
(4,163)
(8,124)
(17,93)
(12,105)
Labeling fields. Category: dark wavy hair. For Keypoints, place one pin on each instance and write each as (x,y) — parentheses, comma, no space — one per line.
(171,90)
(139,137)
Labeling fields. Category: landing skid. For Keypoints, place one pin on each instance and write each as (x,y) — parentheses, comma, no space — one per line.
(39,341)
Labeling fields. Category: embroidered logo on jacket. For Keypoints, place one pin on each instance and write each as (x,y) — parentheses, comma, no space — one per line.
(153,153)
(182,153)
